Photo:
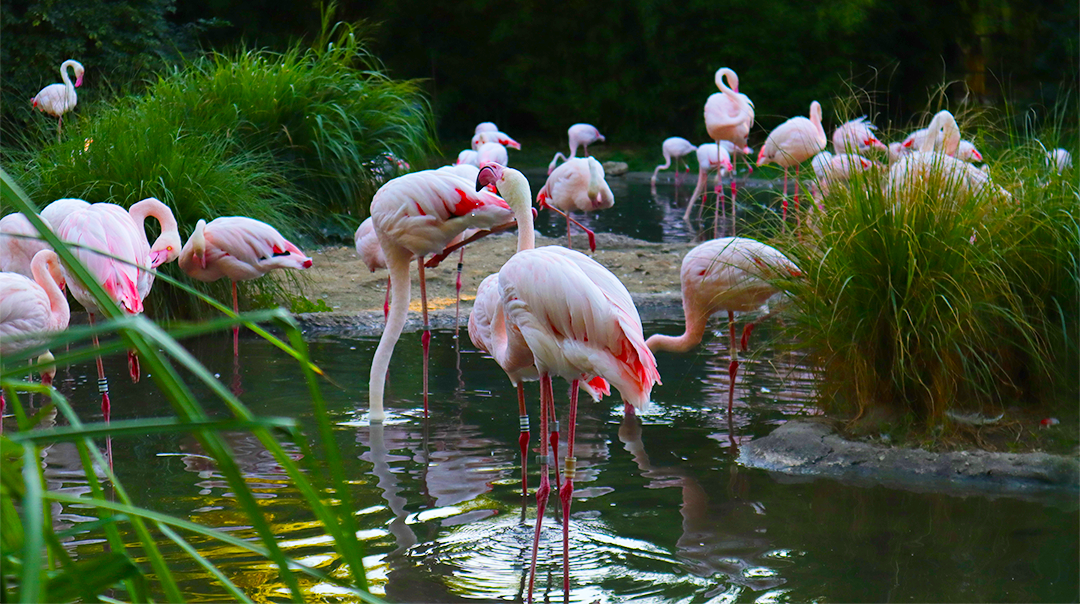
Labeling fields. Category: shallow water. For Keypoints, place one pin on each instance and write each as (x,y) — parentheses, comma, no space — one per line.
(661,512)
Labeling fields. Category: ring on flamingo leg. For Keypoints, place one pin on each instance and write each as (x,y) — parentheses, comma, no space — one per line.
(103,384)
(523,438)
(545,485)
(733,368)
(425,340)
(567,489)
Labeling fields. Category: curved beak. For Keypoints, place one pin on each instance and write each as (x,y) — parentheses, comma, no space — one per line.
(202,260)
(487,176)
(78,81)
(157,258)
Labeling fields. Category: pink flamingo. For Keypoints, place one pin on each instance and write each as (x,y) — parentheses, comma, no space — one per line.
(32,306)
(578,184)
(492,153)
(489,332)
(98,229)
(580,135)
(60,209)
(710,157)
(674,148)
(724,274)
(729,116)
(16,253)
(415,215)
(486,127)
(481,138)
(468,156)
(792,143)
(967,152)
(58,99)
(856,136)
(1059,159)
(579,321)
(832,169)
(238,248)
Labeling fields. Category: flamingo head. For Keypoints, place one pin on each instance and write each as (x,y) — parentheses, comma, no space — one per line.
(165,249)
(198,243)
(47,368)
(873,142)
(490,174)
(78,75)
(762,159)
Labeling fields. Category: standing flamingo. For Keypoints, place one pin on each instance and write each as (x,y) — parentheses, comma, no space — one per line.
(32,306)
(729,115)
(673,148)
(415,215)
(578,185)
(724,274)
(579,321)
(710,157)
(580,135)
(17,252)
(58,99)
(238,248)
(792,143)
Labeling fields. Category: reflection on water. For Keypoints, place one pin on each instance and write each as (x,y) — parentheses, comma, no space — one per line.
(661,512)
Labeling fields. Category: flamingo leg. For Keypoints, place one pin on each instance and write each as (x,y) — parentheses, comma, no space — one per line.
(796,196)
(386,302)
(544,489)
(784,217)
(554,438)
(425,340)
(733,368)
(746,335)
(734,192)
(457,286)
(236,328)
(719,209)
(523,438)
(588,233)
(103,384)
(567,489)
(569,242)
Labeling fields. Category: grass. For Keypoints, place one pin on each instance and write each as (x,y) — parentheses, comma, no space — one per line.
(37,567)
(927,301)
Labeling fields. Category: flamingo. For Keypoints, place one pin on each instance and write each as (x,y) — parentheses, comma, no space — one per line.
(31,306)
(724,274)
(1059,159)
(16,253)
(578,184)
(710,157)
(579,321)
(490,333)
(492,153)
(673,148)
(487,136)
(898,151)
(240,249)
(832,169)
(580,135)
(486,127)
(967,152)
(415,215)
(58,99)
(108,228)
(856,136)
(791,143)
(468,156)
(926,163)
(57,211)
(729,115)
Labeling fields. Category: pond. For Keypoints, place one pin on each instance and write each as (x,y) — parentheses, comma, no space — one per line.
(661,510)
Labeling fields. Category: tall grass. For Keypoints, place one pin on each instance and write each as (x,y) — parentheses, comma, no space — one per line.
(927,300)
(36,566)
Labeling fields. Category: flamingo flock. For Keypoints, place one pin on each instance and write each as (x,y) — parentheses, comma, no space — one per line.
(547,312)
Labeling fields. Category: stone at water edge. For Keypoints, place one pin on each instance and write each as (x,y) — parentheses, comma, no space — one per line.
(615,168)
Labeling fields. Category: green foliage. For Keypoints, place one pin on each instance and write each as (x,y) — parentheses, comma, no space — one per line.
(37,567)
(926,300)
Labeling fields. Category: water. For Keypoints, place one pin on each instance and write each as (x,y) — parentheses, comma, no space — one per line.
(661,512)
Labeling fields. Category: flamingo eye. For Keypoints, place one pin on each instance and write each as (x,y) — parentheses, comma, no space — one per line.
(169,248)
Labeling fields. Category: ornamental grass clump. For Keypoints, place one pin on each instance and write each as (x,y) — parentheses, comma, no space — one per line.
(919,300)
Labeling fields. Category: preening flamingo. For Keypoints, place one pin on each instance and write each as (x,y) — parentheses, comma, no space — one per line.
(468,156)
(578,184)
(57,211)
(58,99)
(792,143)
(966,151)
(832,169)
(856,136)
(673,148)
(898,151)
(415,215)
(724,274)
(16,253)
(487,136)
(1059,159)
(710,157)
(492,153)
(579,135)
(31,306)
(485,127)
(729,115)
(579,321)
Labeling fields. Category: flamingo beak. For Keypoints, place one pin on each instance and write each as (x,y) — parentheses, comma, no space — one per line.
(202,260)
(908,143)
(158,257)
(978,156)
(78,81)
(488,175)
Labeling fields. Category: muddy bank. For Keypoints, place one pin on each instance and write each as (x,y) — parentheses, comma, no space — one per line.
(804,450)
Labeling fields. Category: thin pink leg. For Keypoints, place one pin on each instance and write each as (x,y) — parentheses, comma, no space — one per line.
(425,339)
(554,438)
(797,221)
(386,302)
(457,304)
(733,368)
(785,201)
(569,243)
(236,328)
(103,384)
(544,489)
(734,191)
(567,489)
(523,438)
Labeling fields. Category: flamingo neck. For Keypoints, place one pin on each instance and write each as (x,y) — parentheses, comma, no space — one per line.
(515,190)
(726,73)
(594,179)
(695,329)
(160,211)
(397,260)
(41,267)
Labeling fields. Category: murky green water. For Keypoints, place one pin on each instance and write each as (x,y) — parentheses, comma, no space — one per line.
(662,513)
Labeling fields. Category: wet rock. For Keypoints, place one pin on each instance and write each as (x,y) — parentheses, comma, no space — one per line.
(615,168)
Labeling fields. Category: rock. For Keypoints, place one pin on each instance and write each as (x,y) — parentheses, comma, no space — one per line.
(615,168)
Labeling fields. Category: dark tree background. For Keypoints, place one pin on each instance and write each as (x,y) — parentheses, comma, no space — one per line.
(637,69)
